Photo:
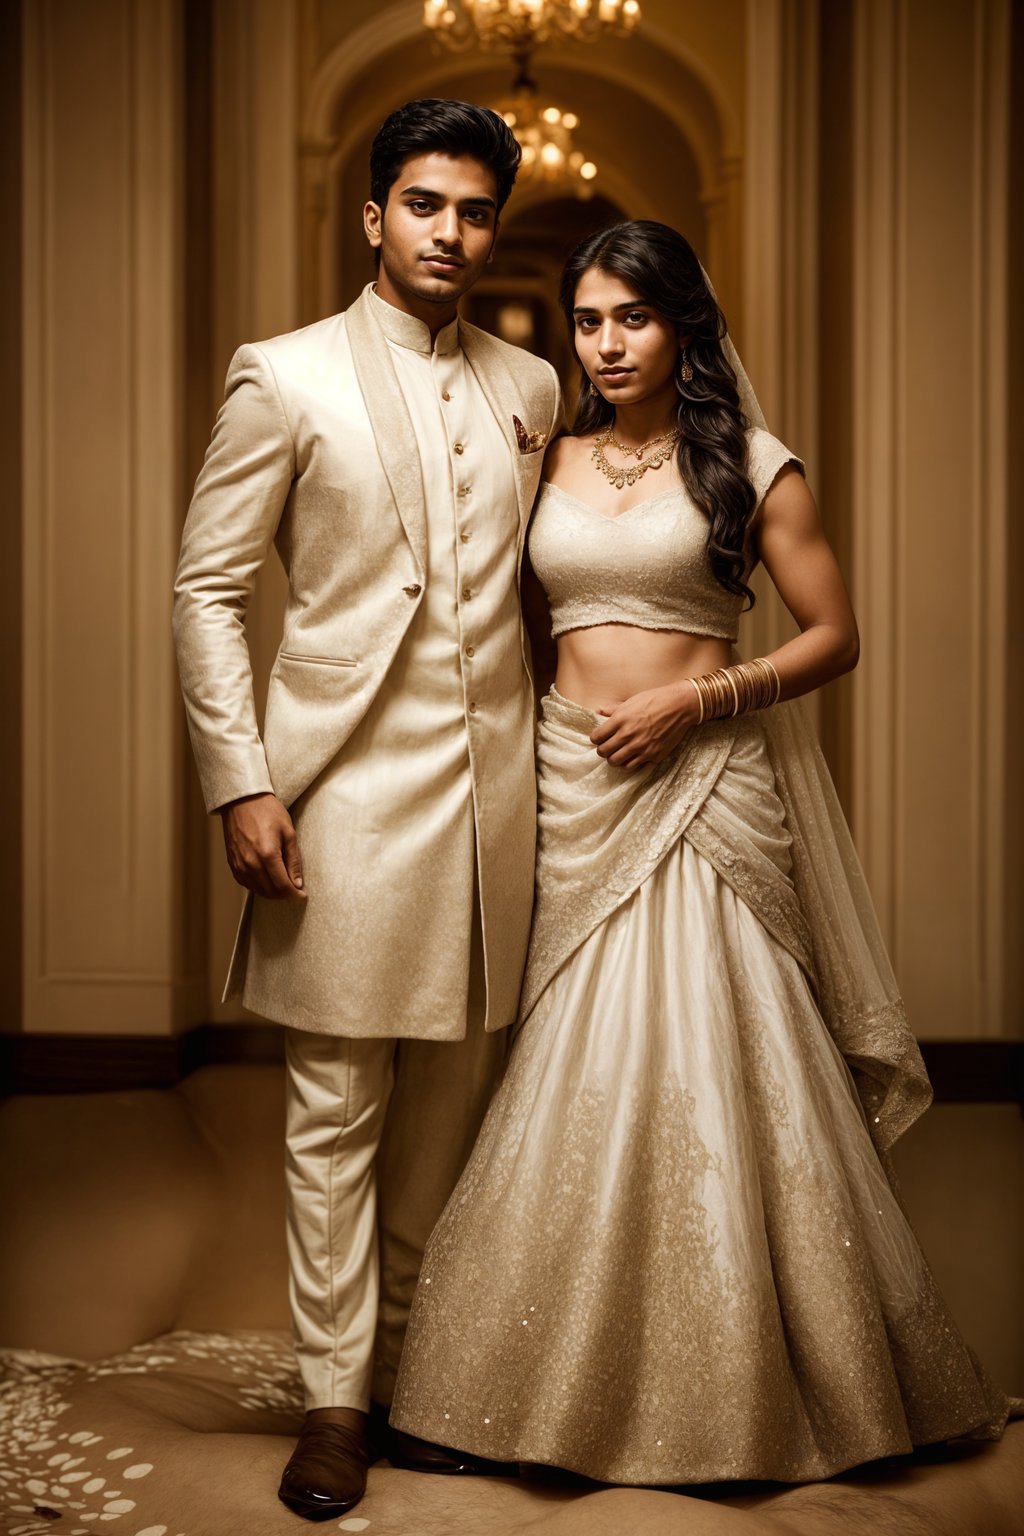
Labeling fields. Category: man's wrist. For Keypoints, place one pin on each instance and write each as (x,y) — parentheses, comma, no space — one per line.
(257,794)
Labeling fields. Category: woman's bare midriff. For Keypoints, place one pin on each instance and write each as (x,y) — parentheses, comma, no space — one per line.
(601,666)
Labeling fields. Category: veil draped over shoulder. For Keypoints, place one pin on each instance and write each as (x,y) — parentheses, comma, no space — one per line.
(857,991)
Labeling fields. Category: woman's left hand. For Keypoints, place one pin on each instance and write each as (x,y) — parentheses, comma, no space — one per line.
(646,727)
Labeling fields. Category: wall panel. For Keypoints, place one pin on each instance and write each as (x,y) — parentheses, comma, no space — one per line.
(102,453)
(930,499)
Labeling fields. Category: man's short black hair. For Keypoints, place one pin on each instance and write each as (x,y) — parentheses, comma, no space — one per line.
(448,127)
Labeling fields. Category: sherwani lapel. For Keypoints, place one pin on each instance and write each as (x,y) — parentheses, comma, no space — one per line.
(391,422)
(506,401)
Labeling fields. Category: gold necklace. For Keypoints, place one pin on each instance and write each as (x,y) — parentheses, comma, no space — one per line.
(628,474)
(613,442)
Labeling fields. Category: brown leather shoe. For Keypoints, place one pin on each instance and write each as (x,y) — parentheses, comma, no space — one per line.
(326,1475)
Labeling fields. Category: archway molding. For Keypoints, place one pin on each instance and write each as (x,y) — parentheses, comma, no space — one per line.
(337,123)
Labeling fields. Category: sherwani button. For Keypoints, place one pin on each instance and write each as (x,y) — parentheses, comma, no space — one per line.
(467,593)
(465,537)
(472,706)
(413,591)
(470,650)
(464,490)
(459,448)
(445,395)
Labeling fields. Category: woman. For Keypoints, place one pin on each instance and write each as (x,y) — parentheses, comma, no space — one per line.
(674,1256)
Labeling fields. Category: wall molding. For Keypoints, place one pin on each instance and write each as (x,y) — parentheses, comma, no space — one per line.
(337,122)
(990,366)
(879,178)
(101,721)
(930,499)
(778,337)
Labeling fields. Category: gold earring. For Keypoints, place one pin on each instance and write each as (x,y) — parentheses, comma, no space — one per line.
(592,390)
(685,371)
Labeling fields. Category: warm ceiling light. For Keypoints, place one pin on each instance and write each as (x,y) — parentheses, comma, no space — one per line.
(513,24)
(545,135)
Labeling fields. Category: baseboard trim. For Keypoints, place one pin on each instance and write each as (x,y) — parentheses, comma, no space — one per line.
(962,1071)
(103,1063)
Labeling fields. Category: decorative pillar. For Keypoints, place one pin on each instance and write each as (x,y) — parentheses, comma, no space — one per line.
(780,249)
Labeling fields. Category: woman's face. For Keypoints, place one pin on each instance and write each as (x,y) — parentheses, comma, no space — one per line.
(628,348)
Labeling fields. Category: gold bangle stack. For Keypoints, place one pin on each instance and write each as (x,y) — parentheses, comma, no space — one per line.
(735,690)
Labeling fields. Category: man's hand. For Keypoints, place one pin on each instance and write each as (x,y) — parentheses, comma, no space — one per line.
(647,726)
(262,848)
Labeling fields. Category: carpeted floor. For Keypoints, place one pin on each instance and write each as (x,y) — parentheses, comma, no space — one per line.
(187,1435)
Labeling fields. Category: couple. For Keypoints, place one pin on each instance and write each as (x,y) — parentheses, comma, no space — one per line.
(671,1252)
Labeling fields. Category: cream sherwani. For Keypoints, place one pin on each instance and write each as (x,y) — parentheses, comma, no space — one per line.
(440,765)
(316,449)
(399,732)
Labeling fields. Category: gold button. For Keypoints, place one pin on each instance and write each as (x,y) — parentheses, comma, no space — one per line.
(470,650)
(464,490)
(472,706)
(445,395)
(459,448)
(413,591)
(467,593)
(465,536)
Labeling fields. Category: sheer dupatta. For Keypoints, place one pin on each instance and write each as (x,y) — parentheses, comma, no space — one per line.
(857,991)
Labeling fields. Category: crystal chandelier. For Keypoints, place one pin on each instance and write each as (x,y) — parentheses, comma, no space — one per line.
(545,135)
(512,24)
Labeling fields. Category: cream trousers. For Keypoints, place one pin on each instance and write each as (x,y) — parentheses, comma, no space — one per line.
(378,1133)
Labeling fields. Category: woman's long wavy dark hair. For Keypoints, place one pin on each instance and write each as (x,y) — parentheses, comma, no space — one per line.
(662,267)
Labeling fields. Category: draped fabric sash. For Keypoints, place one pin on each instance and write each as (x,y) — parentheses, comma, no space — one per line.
(602,832)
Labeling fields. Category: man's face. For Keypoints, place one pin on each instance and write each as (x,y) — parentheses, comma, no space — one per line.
(437,232)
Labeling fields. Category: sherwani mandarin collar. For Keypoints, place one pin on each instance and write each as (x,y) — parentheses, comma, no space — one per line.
(407,331)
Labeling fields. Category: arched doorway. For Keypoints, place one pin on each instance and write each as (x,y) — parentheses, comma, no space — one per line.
(665,144)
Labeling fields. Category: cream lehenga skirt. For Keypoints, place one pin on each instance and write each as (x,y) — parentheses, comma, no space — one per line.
(675,1255)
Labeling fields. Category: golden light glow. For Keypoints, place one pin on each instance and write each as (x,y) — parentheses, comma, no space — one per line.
(513,24)
(518,27)
(545,135)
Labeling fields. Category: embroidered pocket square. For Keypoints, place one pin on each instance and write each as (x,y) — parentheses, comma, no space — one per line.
(529,442)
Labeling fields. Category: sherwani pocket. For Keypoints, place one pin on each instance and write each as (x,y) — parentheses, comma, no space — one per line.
(319,661)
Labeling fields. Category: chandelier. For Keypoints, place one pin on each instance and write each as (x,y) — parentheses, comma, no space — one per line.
(513,24)
(519,27)
(545,135)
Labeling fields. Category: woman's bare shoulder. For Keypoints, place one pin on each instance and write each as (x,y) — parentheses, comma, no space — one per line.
(564,455)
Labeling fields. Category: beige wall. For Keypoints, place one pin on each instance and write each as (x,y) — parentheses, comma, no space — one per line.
(10,449)
(106,877)
(930,502)
(178,200)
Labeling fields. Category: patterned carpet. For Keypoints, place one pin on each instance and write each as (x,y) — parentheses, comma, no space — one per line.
(186,1436)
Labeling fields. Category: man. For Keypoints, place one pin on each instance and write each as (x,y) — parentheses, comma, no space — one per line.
(384,823)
